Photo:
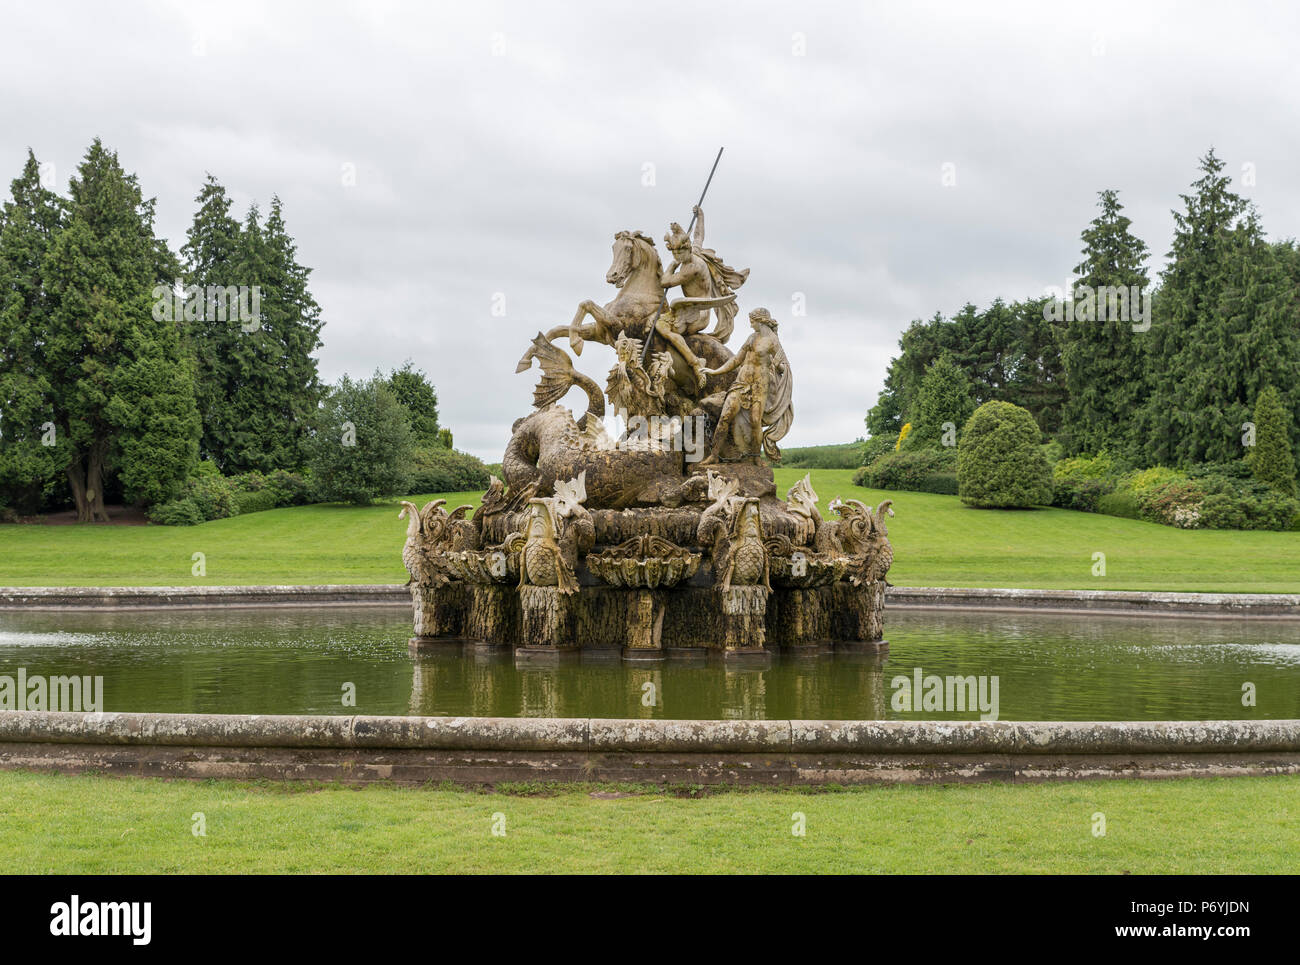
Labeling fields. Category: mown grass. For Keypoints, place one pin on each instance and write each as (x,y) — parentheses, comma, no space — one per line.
(937,542)
(94,824)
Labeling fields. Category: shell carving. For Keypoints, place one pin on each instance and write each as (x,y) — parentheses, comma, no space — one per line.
(645,562)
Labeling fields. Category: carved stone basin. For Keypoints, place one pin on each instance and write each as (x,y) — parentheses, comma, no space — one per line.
(483,566)
(646,562)
(802,570)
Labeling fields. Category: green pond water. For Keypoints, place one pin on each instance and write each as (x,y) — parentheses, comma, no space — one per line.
(280,661)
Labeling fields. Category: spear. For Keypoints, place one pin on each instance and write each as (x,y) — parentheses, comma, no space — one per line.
(663,299)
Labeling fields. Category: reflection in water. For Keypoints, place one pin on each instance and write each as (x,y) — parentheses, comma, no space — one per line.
(297,661)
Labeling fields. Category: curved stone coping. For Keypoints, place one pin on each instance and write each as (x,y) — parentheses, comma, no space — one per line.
(158,597)
(1153,603)
(904,597)
(654,736)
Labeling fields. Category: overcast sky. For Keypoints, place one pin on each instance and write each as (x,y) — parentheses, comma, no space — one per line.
(498,147)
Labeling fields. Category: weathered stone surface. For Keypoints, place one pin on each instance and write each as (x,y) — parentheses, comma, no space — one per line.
(417,750)
(168,597)
(713,736)
(1212,605)
(479,733)
(1075,601)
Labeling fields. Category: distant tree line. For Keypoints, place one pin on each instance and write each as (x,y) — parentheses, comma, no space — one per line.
(1177,387)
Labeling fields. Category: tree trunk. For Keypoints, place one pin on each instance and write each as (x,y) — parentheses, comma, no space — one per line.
(85,475)
(95,484)
(77,480)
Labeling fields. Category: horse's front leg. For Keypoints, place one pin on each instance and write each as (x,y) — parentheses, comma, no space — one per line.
(599,331)
(575,332)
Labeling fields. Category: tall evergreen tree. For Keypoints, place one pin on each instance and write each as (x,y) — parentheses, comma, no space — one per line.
(945,396)
(212,254)
(1270,460)
(1227,326)
(259,387)
(121,386)
(28,460)
(294,322)
(1103,357)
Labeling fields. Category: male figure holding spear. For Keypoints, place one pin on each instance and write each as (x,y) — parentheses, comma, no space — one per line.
(701,274)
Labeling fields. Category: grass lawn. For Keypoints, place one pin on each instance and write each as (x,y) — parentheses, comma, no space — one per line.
(937,542)
(95,825)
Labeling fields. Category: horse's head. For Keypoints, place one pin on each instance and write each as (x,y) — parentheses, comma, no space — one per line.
(632,250)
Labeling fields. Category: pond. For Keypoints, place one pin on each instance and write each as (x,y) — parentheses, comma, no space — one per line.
(1032,666)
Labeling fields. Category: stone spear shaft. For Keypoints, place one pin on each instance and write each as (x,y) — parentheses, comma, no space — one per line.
(663,299)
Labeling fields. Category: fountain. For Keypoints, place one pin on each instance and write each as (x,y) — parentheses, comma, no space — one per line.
(663,536)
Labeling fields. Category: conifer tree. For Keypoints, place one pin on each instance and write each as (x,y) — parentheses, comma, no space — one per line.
(1270,459)
(32,455)
(212,254)
(121,385)
(944,397)
(1227,325)
(1102,357)
(258,386)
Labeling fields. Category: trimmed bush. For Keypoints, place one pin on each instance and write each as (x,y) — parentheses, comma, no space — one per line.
(176,512)
(255,502)
(438,470)
(1122,503)
(209,495)
(1000,464)
(907,470)
(939,482)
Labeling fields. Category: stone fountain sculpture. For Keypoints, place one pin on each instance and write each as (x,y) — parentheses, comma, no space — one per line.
(662,535)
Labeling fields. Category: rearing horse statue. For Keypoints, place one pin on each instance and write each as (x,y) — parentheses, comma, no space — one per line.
(637,273)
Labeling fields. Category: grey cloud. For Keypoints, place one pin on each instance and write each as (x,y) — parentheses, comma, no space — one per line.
(478,174)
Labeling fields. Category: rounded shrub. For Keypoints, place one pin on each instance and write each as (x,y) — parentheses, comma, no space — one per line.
(255,502)
(1000,464)
(176,512)
(213,495)
(289,488)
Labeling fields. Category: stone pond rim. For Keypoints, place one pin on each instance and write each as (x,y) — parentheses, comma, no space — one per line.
(1118,602)
(420,750)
